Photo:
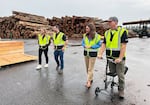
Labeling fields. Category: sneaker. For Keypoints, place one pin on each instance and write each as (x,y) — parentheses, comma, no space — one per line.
(46,65)
(60,71)
(121,94)
(39,67)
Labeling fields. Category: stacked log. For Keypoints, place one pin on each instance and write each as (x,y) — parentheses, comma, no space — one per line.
(6,25)
(22,25)
(30,18)
(25,25)
(74,26)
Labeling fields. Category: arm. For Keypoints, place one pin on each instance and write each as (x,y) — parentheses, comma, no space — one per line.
(124,41)
(66,42)
(82,43)
(85,46)
(38,41)
(38,38)
(49,42)
(52,40)
(97,45)
(101,51)
(122,52)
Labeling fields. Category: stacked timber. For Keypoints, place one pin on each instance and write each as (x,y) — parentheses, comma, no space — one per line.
(74,26)
(22,25)
(25,25)
(12,52)
(30,18)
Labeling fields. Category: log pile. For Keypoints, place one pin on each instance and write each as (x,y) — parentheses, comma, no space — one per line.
(25,25)
(22,25)
(74,26)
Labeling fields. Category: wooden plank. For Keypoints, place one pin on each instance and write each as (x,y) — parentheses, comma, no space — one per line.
(10,47)
(12,52)
(15,58)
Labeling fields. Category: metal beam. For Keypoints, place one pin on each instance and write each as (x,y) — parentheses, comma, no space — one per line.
(137,22)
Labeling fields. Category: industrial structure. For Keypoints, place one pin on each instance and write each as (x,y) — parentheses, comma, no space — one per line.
(140,27)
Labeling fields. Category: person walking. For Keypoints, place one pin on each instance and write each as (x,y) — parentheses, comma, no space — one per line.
(115,42)
(60,43)
(43,41)
(91,44)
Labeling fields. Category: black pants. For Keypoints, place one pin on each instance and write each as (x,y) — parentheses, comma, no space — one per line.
(45,53)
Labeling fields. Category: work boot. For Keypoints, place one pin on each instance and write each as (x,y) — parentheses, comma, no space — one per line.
(39,67)
(46,65)
(121,94)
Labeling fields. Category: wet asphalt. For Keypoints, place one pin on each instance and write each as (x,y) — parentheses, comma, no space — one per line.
(22,84)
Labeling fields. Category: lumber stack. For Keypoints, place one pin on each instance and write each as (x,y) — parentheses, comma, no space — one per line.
(75,26)
(12,52)
(25,25)
(22,25)
(30,18)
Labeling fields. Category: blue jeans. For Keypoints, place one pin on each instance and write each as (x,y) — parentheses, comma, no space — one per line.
(59,54)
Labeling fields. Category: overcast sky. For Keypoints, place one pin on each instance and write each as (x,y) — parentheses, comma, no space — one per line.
(125,10)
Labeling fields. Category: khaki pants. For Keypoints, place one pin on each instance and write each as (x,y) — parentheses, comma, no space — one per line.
(119,68)
(90,61)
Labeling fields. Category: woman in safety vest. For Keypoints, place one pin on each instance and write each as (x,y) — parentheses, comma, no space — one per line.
(44,42)
(91,43)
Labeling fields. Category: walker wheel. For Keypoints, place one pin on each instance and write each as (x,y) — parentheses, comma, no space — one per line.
(97,90)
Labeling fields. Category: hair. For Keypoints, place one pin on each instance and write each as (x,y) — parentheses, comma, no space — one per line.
(57,26)
(92,29)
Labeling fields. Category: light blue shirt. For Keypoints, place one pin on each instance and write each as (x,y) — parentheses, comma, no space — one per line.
(97,45)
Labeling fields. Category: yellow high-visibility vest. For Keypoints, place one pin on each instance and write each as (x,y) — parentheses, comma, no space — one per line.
(43,41)
(92,42)
(58,41)
(115,44)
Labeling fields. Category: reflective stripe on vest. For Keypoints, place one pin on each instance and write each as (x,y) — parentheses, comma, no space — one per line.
(43,41)
(58,41)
